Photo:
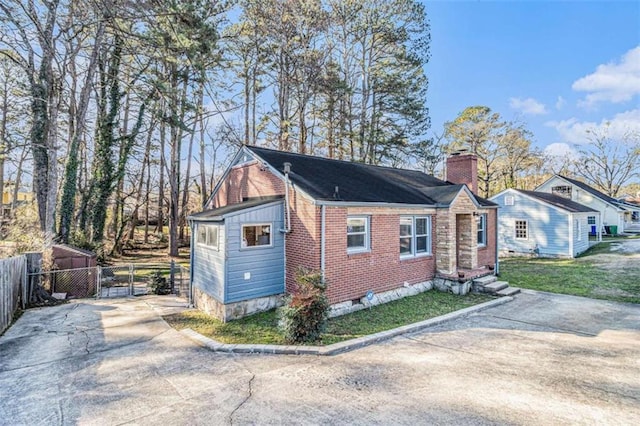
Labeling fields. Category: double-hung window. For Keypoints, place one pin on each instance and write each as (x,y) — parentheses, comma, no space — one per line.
(415,235)
(357,234)
(208,235)
(481,221)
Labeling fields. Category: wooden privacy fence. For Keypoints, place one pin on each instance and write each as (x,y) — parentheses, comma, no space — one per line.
(13,288)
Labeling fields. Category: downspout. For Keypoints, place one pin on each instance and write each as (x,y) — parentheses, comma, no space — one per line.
(322,240)
(287,170)
(191,258)
(497,272)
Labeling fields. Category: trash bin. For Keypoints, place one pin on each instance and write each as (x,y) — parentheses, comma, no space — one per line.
(593,230)
(607,229)
(614,229)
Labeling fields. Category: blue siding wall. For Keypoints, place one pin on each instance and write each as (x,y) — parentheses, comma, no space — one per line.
(208,263)
(255,271)
(548,228)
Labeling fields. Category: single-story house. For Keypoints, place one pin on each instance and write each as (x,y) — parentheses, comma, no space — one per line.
(542,224)
(615,215)
(367,229)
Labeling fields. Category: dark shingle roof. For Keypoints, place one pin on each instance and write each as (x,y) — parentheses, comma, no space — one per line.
(219,213)
(591,190)
(558,201)
(358,182)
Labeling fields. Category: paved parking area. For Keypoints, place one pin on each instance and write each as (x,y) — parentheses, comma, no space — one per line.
(540,359)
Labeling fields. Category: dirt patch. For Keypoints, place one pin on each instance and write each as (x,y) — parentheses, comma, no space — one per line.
(623,255)
(627,246)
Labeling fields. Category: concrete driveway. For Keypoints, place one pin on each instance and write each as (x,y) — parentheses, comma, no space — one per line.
(540,359)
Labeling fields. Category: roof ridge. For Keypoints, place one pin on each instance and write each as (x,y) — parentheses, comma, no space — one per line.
(356,163)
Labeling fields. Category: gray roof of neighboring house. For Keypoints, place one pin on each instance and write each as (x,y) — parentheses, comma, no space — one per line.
(592,190)
(558,201)
(362,183)
(219,213)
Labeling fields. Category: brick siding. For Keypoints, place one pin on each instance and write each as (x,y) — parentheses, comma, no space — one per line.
(245,181)
(350,276)
(463,168)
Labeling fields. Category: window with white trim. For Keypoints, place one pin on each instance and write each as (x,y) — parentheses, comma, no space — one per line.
(415,235)
(481,221)
(208,235)
(522,230)
(591,220)
(357,234)
(256,235)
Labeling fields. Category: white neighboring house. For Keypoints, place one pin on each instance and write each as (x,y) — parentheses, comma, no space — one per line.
(542,224)
(612,212)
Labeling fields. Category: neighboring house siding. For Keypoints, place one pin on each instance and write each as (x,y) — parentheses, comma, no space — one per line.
(580,232)
(208,264)
(610,214)
(264,265)
(547,227)
(247,181)
(350,276)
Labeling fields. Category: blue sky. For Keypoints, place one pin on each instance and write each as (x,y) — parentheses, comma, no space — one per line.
(559,67)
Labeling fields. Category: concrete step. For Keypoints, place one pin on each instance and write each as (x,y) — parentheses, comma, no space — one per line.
(495,287)
(483,281)
(509,291)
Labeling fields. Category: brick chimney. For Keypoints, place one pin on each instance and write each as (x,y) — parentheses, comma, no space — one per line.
(462,167)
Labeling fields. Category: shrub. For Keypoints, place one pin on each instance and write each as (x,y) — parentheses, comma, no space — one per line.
(158,283)
(304,316)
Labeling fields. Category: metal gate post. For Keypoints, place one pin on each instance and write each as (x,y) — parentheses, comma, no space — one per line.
(172,277)
(98,282)
(131,270)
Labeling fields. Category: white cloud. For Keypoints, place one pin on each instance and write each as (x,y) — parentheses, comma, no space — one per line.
(574,131)
(612,82)
(527,106)
(560,149)
(560,103)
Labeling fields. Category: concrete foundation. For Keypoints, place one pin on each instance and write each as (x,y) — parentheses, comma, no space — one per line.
(344,308)
(231,311)
(452,286)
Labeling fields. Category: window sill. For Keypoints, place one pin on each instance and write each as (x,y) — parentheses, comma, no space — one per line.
(358,252)
(415,257)
(250,248)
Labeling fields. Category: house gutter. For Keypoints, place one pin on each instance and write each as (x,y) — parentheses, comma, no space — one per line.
(322,239)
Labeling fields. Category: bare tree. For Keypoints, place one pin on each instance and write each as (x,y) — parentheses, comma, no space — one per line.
(609,162)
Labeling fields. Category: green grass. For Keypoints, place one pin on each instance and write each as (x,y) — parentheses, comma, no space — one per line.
(594,274)
(262,328)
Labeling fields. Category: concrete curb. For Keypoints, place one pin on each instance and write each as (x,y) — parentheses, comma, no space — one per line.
(336,348)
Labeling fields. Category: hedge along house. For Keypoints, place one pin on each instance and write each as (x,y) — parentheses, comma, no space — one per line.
(542,224)
(366,228)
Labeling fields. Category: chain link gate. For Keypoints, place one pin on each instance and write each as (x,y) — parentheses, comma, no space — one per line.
(113,281)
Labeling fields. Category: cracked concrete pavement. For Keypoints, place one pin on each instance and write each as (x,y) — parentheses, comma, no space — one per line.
(541,359)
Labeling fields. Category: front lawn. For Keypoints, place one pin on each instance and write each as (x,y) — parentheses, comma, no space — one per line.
(262,328)
(600,273)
